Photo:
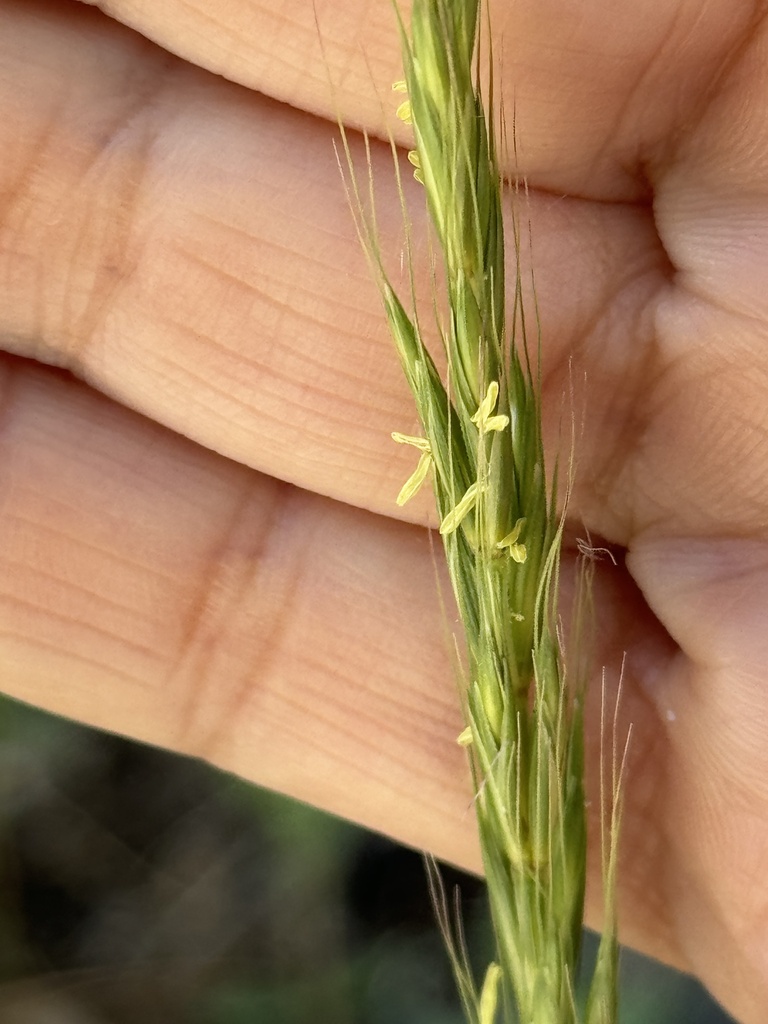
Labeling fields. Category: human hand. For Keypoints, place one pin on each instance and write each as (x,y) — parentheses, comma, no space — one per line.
(197,516)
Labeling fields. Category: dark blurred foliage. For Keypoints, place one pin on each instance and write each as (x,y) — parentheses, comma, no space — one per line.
(140,887)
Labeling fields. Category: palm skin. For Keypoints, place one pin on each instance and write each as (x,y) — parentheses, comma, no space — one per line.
(197,476)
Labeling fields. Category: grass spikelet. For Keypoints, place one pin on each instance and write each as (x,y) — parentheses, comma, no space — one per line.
(482,446)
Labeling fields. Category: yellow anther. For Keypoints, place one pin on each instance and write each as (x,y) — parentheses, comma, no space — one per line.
(483,419)
(509,543)
(404,112)
(415,442)
(489,996)
(413,484)
(452,521)
(413,158)
(464,739)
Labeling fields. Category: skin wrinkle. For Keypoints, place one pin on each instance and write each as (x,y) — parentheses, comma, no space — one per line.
(16,191)
(645,279)
(126,637)
(729,61)
(674,156)
(51,613)
(691,283)
(625,421)
(713,458)
(377,763)
(72,659)
(584,324)
(634,168)
(629,164)
(384,714)
(343,81)
(113,248)
(97,461)
(251,69)
(124,564)
(315,665)
(718,907)
(266,297)
(123,641)
(271,370)
(217,338)
(261,289)
(48,603)
(9,397)
(234,567)
(183,374)
(372,80)
(147,464)
(379,716)
(58,509)
(712,461)
(645,163)
(317,431)
(118,255)
(55,533)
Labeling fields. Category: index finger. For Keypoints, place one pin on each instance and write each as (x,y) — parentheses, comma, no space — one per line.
(185,246)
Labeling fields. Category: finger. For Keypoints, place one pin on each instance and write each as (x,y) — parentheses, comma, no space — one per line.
(714,596)
(705,440)
(592,107)
(157,590)
(171,309)
(161,591)
(653,355)
(229,299)
(231,303)
(222,296)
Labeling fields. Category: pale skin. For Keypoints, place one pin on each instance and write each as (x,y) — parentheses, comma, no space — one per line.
(201,542)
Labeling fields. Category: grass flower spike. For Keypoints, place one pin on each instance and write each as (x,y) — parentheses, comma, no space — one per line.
(502,532)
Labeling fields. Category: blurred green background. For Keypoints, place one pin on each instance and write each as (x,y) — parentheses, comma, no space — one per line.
(140,887)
